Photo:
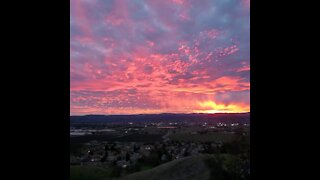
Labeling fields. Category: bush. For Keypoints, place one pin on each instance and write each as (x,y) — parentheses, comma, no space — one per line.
(152,159)
(116,171)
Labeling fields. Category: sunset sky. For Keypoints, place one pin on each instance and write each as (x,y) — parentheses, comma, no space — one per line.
(159,56)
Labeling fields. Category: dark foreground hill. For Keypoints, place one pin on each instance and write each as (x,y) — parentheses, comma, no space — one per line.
(204,167)
(142,118)
(182,169)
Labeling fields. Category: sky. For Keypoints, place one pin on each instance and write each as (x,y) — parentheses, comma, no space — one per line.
(159,56)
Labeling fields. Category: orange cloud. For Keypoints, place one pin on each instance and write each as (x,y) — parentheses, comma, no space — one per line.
(130,57)
(212,107)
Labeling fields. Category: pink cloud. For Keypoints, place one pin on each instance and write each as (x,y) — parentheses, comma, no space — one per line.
(166,57)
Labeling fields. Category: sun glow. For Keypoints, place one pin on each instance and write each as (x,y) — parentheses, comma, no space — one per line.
(212,107)
(124,61)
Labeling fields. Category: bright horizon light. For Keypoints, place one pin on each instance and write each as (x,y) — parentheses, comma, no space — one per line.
(152,57)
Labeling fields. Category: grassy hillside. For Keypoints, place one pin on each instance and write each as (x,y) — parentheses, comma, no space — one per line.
(88,173)
(186,168)
(205,167)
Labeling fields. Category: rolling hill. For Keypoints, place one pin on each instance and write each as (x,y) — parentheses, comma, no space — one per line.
(204,167)
(141,118)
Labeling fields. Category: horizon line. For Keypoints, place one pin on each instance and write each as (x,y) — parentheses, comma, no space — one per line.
(156,114)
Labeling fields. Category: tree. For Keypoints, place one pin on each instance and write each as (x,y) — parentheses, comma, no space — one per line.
(127,157)
(103,159)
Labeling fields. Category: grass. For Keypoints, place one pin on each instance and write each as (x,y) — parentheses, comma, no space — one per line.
(88,173)
(186,168)
(146,167)
(204,167)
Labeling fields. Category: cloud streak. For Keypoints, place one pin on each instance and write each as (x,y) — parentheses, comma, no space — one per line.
(144,56)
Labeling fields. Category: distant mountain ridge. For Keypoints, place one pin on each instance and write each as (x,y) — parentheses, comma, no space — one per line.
(165,117)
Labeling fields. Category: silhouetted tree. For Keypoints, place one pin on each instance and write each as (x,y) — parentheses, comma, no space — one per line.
(127,157)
